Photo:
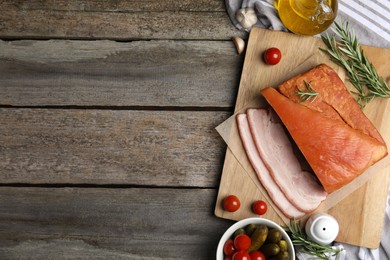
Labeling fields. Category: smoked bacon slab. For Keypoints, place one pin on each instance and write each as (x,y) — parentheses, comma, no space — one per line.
(336,138)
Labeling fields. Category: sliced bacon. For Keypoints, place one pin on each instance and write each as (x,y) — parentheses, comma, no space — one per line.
(300,187)
(262,172)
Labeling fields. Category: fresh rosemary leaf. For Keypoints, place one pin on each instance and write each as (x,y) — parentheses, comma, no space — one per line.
(348,54)
(308,93)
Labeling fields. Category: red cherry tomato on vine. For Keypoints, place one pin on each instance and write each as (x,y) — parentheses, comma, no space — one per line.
(259,207)
(257,255)
(272,56)
(242,242)
(228,248)
(241,255)
(231,203)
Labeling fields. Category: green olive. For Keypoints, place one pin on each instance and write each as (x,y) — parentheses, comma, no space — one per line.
(249,229)
(239,232)
(281,256)
(270,249)
(274,236)
(283,245)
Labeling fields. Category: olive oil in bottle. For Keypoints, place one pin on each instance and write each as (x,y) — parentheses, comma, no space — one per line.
(306,17)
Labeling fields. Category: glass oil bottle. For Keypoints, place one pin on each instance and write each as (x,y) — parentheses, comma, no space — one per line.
(306,17)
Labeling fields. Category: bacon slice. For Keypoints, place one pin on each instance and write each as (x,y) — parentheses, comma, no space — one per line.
(300,187)
(262,172)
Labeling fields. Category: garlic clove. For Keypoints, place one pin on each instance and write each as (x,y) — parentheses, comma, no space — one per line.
(239,43)
(250,11)
(246,17)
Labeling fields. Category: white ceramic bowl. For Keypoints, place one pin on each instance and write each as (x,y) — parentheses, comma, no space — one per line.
(243,223)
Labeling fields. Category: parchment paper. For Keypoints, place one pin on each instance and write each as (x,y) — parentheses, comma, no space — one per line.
(229,132)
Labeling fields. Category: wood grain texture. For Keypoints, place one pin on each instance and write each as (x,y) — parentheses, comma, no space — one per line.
(108,73)
(366,195)
(162,148)
(117,5)
(134,223)
(116,20)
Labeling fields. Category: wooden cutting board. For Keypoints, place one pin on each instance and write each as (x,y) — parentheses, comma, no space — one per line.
(360,207)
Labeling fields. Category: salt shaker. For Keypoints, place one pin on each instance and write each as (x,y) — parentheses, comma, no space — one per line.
(322,228)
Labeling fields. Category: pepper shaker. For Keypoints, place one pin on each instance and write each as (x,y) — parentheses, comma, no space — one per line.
(322,228)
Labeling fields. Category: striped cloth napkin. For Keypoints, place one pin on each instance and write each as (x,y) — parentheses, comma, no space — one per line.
(370,20)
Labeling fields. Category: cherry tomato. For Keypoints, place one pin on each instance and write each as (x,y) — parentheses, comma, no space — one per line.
(228,247)
(228,258)
(259,207)
(242,242)
(241,255)
(272,56)
(257,255)
(231,203)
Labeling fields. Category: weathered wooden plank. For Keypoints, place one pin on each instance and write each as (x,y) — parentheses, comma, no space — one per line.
(117,5)
(108,73)
(133,223)
(115,20)
(163,148)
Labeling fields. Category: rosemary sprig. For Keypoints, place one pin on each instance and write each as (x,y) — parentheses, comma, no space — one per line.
(299,238)
(348,54)
(308,93)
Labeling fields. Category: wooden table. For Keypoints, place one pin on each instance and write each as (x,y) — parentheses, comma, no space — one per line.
(108,109)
